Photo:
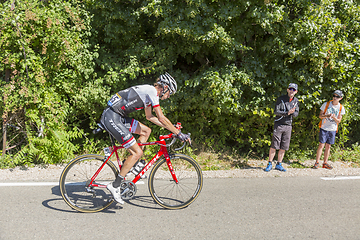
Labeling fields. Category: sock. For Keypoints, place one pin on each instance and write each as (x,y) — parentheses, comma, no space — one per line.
(118,181)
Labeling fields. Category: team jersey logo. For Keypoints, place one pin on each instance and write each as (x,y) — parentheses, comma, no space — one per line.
(114,99)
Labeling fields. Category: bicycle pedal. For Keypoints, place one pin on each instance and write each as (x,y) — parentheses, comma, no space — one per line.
(125,191)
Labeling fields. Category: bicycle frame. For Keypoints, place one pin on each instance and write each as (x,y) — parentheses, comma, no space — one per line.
(163,151)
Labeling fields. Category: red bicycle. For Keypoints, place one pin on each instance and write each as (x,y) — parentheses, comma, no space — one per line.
(174,182)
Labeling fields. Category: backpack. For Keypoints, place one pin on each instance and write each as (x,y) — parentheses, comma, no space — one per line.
(326,107)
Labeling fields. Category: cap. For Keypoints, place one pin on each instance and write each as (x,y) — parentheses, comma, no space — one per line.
(293,85)
(339,92)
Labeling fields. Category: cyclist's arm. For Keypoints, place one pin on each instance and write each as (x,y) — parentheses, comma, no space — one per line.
(160,119)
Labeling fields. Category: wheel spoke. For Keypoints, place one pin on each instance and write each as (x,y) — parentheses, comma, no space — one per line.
(76,177)
(166,191)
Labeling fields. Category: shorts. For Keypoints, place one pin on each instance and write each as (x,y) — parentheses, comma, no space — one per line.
(121,128)
(281,137)
(327,136)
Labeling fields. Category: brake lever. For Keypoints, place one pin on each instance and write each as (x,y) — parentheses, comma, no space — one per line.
(177,149)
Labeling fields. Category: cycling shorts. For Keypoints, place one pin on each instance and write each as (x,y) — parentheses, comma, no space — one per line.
(121,128)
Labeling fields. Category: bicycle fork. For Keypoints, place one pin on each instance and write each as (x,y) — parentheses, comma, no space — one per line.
(171,169)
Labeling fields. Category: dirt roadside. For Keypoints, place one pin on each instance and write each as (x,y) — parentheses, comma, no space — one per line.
(254,169)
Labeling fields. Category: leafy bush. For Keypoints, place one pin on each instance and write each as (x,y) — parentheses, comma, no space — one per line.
(231,60)
(46,64)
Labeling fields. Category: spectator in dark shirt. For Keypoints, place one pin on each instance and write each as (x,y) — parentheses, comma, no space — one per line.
(287,107)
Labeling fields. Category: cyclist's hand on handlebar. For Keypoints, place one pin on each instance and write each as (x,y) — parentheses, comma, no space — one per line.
(183,137)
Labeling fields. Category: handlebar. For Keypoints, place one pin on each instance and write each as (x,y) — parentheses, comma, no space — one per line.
(178,149)
(172,142)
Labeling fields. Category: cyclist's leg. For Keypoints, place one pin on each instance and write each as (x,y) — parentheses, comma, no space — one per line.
(144,132)
(135,154)
(120,128)
(134,126)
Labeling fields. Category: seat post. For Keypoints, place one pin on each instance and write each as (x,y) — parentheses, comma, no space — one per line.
(112,139)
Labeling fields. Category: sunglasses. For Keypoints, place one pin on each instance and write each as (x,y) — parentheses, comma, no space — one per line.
(167,90)
(336,96)
(292,89)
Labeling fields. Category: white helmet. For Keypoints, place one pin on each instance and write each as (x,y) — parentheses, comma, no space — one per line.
(168,80)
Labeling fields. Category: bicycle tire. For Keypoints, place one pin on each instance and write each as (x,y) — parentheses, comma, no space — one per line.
(169,194)
(75,177)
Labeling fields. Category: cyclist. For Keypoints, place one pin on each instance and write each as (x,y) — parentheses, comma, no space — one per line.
(116,121)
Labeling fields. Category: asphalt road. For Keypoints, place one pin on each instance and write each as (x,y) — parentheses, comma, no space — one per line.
(232,208)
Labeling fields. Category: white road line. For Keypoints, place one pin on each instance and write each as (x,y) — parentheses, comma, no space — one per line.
(33,184)
(340,178)
(28,184)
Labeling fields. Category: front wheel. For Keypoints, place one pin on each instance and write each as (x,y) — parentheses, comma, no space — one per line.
(75,180)
(171,194)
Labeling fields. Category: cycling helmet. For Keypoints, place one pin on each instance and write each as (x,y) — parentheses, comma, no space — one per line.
(168,80)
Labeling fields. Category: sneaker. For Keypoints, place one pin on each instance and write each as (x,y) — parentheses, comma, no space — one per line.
(269,167)
(280,167)
(316,165)
(327,166)
(115,192)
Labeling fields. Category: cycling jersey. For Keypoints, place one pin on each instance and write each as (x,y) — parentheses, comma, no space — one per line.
(133,99)
(114,117)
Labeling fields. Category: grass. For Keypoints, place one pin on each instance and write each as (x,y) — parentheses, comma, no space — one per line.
(298,164)
(230,159)
(210,160)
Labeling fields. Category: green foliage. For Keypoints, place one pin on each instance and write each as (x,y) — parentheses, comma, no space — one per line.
(349,154)
(45,47)
(231,60)
(6,162)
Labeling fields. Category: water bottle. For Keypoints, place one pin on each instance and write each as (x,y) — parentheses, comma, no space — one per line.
(138,167)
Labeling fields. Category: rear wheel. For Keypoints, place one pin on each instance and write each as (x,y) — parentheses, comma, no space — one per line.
(171,194)
(75,180)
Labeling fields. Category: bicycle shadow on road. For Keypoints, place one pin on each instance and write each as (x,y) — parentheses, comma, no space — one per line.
(51,203)
(58,204)
(144,202)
